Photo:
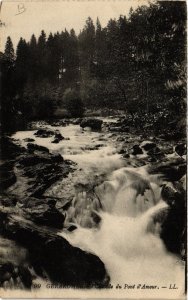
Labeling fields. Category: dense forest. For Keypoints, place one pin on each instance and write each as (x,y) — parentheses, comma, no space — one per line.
(136,64)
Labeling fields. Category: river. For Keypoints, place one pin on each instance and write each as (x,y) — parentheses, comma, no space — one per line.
(127,202)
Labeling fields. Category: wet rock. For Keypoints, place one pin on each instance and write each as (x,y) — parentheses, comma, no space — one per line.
(155,154)
(136,150)
(31,160)
(38,158)
(29,140)
(58,137)
(71,228)
(33,147)
(52,254)
(94,124)
(44,175)
(44,133)
(44,212)
(172,170)
(174,227)
(147,145)
(180,149)
(38,171)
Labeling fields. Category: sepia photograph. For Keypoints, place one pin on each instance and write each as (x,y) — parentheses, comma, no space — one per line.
(93,161)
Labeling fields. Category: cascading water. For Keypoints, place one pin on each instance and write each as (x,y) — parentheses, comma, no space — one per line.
(127,239)
(130,209)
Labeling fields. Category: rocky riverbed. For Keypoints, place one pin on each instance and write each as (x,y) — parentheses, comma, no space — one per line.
(61,182)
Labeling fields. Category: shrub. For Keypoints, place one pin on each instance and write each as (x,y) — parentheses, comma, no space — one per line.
(73,103)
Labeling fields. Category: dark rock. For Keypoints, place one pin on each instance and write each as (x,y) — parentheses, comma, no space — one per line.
(136,150)
(10,273)
(38,158)
(9,150)
(29,140)
(152,159)
(172,170)
(51,217)
(52,254)
(122,151)
(7,175)
(174,227)
(181,149)
(147,145)
(154,151)
(44,212)
(39,171)
(71,228)
(25,277)
(31,160)
(58,137)
(155,154)
(44,133)
(76,121)
(7,200)
(7,179)
(94,124)
(32,147)
(58,123)
(162,136)
(115,127)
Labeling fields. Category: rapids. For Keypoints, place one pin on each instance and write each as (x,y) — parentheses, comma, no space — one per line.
(128,203)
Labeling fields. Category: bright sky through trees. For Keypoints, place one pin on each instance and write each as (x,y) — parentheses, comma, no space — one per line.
(23,18)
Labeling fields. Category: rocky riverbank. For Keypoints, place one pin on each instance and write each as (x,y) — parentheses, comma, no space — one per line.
(31,220)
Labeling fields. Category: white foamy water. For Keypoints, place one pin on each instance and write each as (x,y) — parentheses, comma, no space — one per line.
(127,239)
(131,253)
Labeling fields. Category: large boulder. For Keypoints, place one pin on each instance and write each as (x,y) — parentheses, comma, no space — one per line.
(173,231)
(94,124)
(54,256)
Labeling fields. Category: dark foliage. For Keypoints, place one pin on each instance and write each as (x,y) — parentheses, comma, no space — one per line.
(136,64)
(73,103)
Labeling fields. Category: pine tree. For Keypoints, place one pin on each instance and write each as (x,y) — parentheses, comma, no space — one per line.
(42,56)
(22,63)
(9,51)
(33,60)
(87,45)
